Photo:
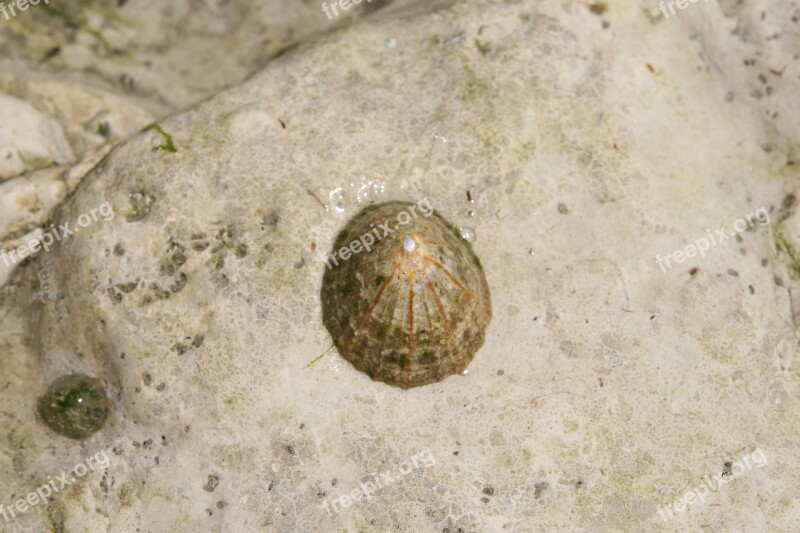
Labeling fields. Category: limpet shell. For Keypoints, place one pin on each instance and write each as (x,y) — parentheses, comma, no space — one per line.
(407,301)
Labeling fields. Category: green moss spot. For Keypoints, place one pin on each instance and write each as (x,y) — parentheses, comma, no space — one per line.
(75,406)
(488,490)
(379,279)
(482,47)
(427,357)
(104,129)
(788,248)
(169,145)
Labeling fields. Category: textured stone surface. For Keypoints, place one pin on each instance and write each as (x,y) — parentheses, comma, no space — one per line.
(590,144)
(54,131)
(171,53)
(29,140)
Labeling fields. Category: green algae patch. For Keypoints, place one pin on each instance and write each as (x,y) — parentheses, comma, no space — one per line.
(75,406)
(169,144)
(792,257)
(483,47)
(326,352)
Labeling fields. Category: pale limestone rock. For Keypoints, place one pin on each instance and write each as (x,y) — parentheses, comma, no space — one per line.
(25,204)
(29,139)
(83,123)
(606,389)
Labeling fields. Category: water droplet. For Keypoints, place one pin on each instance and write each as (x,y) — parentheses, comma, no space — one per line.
(336,196)
(468,234)
(391,42)
(358,191)
(440,137)
(470,213)
(368,190)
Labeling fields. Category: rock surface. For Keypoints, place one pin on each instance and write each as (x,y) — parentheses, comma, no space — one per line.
(593,142)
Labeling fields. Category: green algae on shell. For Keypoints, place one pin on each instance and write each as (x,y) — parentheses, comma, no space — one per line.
(409,304)
(75,406)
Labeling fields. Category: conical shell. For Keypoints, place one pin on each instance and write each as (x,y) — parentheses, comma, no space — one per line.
(404,296)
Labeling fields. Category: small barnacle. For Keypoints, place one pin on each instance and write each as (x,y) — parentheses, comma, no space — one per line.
(75,406)
(211,483)
(407,304)
(140,206)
